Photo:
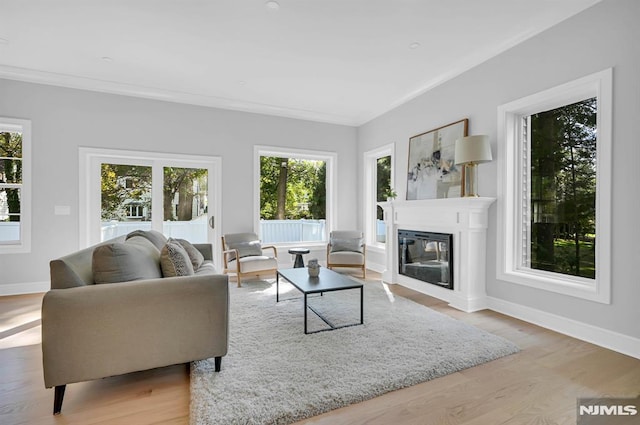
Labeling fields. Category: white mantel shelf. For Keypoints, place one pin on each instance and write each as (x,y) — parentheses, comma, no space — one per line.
(467,220)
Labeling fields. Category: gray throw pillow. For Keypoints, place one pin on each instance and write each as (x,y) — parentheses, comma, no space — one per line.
(123,262)
(195,256)
(155,237)
(174,260)
(246,249)
(347,244)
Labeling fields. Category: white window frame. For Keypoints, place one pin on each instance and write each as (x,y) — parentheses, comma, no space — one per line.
(23,245)
(370,200)
(510,175)
(331,160)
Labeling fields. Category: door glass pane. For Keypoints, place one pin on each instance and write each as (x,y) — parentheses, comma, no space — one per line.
(125,199)
(383,187)
(185,203)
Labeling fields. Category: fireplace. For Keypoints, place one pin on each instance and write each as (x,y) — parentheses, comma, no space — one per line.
(467,219)
(426,256)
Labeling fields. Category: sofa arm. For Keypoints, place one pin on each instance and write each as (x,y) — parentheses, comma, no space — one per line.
(97,331)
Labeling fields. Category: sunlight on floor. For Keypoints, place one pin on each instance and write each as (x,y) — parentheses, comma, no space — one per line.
(30,336)
(20,325)
(390,295)
(18,317)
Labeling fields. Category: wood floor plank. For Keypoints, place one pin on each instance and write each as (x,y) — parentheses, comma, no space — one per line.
(539,385)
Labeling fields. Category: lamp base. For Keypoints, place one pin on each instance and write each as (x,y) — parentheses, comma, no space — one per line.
(470,179)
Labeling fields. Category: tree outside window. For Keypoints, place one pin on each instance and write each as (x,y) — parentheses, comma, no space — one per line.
(383,187)
(126,192)
(292,199)
(562,206)
(10,185)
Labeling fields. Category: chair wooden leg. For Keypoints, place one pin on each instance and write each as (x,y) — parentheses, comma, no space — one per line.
(57,399)
(218,363)
(364,272)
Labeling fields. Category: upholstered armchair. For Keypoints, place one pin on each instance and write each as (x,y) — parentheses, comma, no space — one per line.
(346,248)
(244,255)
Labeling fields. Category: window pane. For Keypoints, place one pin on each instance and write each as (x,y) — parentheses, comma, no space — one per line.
(383,178)
(10,144)
(562,210)
(292,199)
(125,199)
(10,157)
(185,203)
(9,215)
(11,171)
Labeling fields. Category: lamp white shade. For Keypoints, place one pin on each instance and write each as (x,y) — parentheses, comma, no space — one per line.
(473,149)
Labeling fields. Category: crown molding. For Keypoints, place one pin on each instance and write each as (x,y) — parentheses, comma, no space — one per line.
(112,87)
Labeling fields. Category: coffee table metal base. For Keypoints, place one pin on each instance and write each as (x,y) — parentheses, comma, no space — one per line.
(307,307)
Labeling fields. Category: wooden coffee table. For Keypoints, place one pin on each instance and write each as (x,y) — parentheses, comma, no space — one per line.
(327,281)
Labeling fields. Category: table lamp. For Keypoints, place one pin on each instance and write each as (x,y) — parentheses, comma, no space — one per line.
(471,151)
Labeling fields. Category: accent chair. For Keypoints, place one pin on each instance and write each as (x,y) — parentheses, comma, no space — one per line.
(346,248)
(244,254)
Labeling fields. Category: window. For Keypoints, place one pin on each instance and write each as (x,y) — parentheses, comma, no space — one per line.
(555,170)
(378,182)
(15,188)
(294,195)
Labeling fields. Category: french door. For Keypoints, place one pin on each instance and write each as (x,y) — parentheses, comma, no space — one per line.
(123,191)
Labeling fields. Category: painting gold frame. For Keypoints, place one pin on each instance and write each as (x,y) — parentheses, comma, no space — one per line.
(431,171)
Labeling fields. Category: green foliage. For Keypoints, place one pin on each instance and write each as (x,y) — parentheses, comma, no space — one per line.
(181,181)
(383,183)
(305,188)
(114,190)
(11,170)
(383,176)
(563,186)
(124,184)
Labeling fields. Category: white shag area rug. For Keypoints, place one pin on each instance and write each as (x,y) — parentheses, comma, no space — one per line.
(275,374)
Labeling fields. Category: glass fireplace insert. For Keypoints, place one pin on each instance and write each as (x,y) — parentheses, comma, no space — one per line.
(426,256)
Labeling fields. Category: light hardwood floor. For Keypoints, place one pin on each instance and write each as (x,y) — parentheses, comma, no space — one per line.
(539,385)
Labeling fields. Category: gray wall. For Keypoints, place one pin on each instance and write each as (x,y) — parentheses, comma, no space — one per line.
(603,36)
(63,119)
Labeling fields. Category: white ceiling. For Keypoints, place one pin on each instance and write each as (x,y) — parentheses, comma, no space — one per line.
(338,61)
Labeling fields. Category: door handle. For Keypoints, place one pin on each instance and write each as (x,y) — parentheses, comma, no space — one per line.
(212,222)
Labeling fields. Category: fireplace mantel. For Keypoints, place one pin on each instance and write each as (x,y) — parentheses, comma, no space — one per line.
(467,220)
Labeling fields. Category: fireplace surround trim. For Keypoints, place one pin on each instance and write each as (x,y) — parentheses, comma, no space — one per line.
(467,220)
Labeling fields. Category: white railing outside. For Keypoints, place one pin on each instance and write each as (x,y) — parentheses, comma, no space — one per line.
(194,231)
(9,231)
(275,231)
(381,231)
(271,231)
(113,229)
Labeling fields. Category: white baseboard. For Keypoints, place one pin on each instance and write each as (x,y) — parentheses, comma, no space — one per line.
(603,337)
(376,267)
(24,288)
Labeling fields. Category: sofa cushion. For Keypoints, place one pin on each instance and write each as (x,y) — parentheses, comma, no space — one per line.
(195,256)
(346,257)
(255,263)
(155,237)
(123,262)
(206,268)
(174,260)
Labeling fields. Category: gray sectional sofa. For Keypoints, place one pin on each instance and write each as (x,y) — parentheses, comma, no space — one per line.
(93,330)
